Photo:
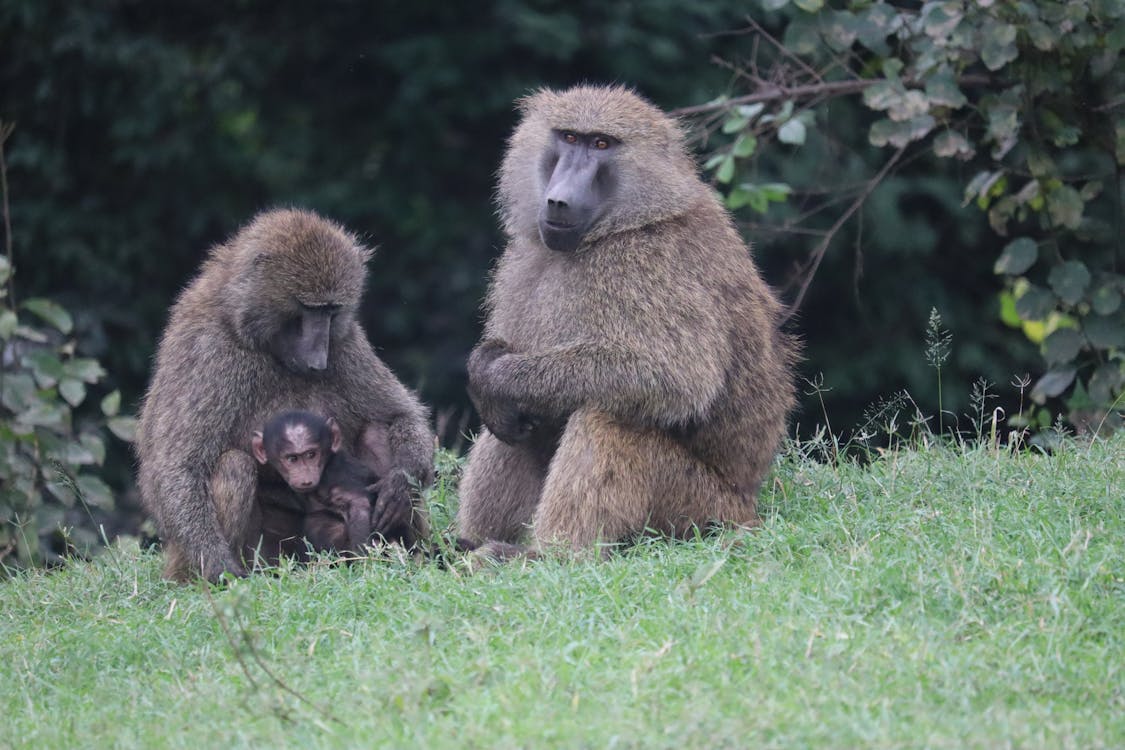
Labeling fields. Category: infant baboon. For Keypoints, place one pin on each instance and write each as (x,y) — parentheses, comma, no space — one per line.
(307,452)
(632,375)
(267,325)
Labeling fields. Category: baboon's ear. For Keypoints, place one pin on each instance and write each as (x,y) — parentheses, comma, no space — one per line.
(337,436)
(258,448)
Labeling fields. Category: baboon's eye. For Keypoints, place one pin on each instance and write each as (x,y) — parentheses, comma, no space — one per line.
(601,144)
(570,137)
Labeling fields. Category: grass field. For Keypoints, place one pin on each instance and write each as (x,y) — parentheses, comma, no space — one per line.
(951,597)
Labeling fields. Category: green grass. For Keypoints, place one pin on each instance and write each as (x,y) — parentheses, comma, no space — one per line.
(943,598)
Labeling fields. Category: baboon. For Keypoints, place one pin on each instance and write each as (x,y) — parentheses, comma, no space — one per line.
(306,450)
(632,375)
(267,325)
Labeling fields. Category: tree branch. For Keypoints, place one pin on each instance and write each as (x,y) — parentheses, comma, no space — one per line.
(808,91)
(822,248)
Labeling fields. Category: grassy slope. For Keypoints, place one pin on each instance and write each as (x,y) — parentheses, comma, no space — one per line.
(940,599)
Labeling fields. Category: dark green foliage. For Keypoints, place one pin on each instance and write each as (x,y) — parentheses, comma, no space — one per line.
(1028,94)
(146,133)
(51,497)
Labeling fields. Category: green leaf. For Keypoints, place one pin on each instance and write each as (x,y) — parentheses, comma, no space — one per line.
(1035,303)
(1062,346)
(735,124)
(8,323)
(1003,114)
(883,95)
(1008,314)
(1042,36)
(838,29)
(51,312)
(89,370)
(738,198)
(802,37)
(999,47)
(1106,299)
(750,111)
(1069,280)
(1065,205)
(95,446)
(874,25)
(1052,384)
(1105,331)
(1001,212)
(776,192)
(46,367)
(774,4)
(44,414)
(18,392)
(5,270)
(809,6)
(979,186)
(78,455)
(899,134)
(74,391)
(94,491)
(940,19)
(124,428)
(726,170)
(1041,164)
(744,146)
(1119,147)
(1106,383)
(892,67)
(714,161)
(1090,190)
(792,132)
(1019,255)
(951,143)
(111,404)
(942,90)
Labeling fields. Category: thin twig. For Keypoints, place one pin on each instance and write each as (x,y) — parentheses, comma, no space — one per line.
(5,131)
(261,662)
(762,33)
(822,248)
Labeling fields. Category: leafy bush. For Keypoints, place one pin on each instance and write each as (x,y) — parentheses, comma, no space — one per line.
(48,442)
(1030,93)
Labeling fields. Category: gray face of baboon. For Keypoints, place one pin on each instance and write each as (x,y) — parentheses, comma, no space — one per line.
(579,172)
(632,374)
(267,325)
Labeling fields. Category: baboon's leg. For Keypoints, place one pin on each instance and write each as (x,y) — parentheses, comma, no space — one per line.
(609,482)
(234,487)
(176,565)
(499,490)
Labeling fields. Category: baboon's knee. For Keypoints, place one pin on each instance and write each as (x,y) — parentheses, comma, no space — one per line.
(234,485)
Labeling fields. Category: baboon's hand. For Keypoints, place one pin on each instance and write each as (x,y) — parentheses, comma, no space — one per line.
(483,357)
(503,417)
(392,506)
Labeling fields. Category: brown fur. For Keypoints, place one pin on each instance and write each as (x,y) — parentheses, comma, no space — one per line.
(215,381)
(650,359)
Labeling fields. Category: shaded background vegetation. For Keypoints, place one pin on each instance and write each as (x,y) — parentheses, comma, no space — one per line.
(147,132)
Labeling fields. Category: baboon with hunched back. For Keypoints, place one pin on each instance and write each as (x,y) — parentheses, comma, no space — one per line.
(267,325)
(633,375)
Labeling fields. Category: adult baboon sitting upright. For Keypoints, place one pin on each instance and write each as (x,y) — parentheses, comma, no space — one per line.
(632,374)
(268,325)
